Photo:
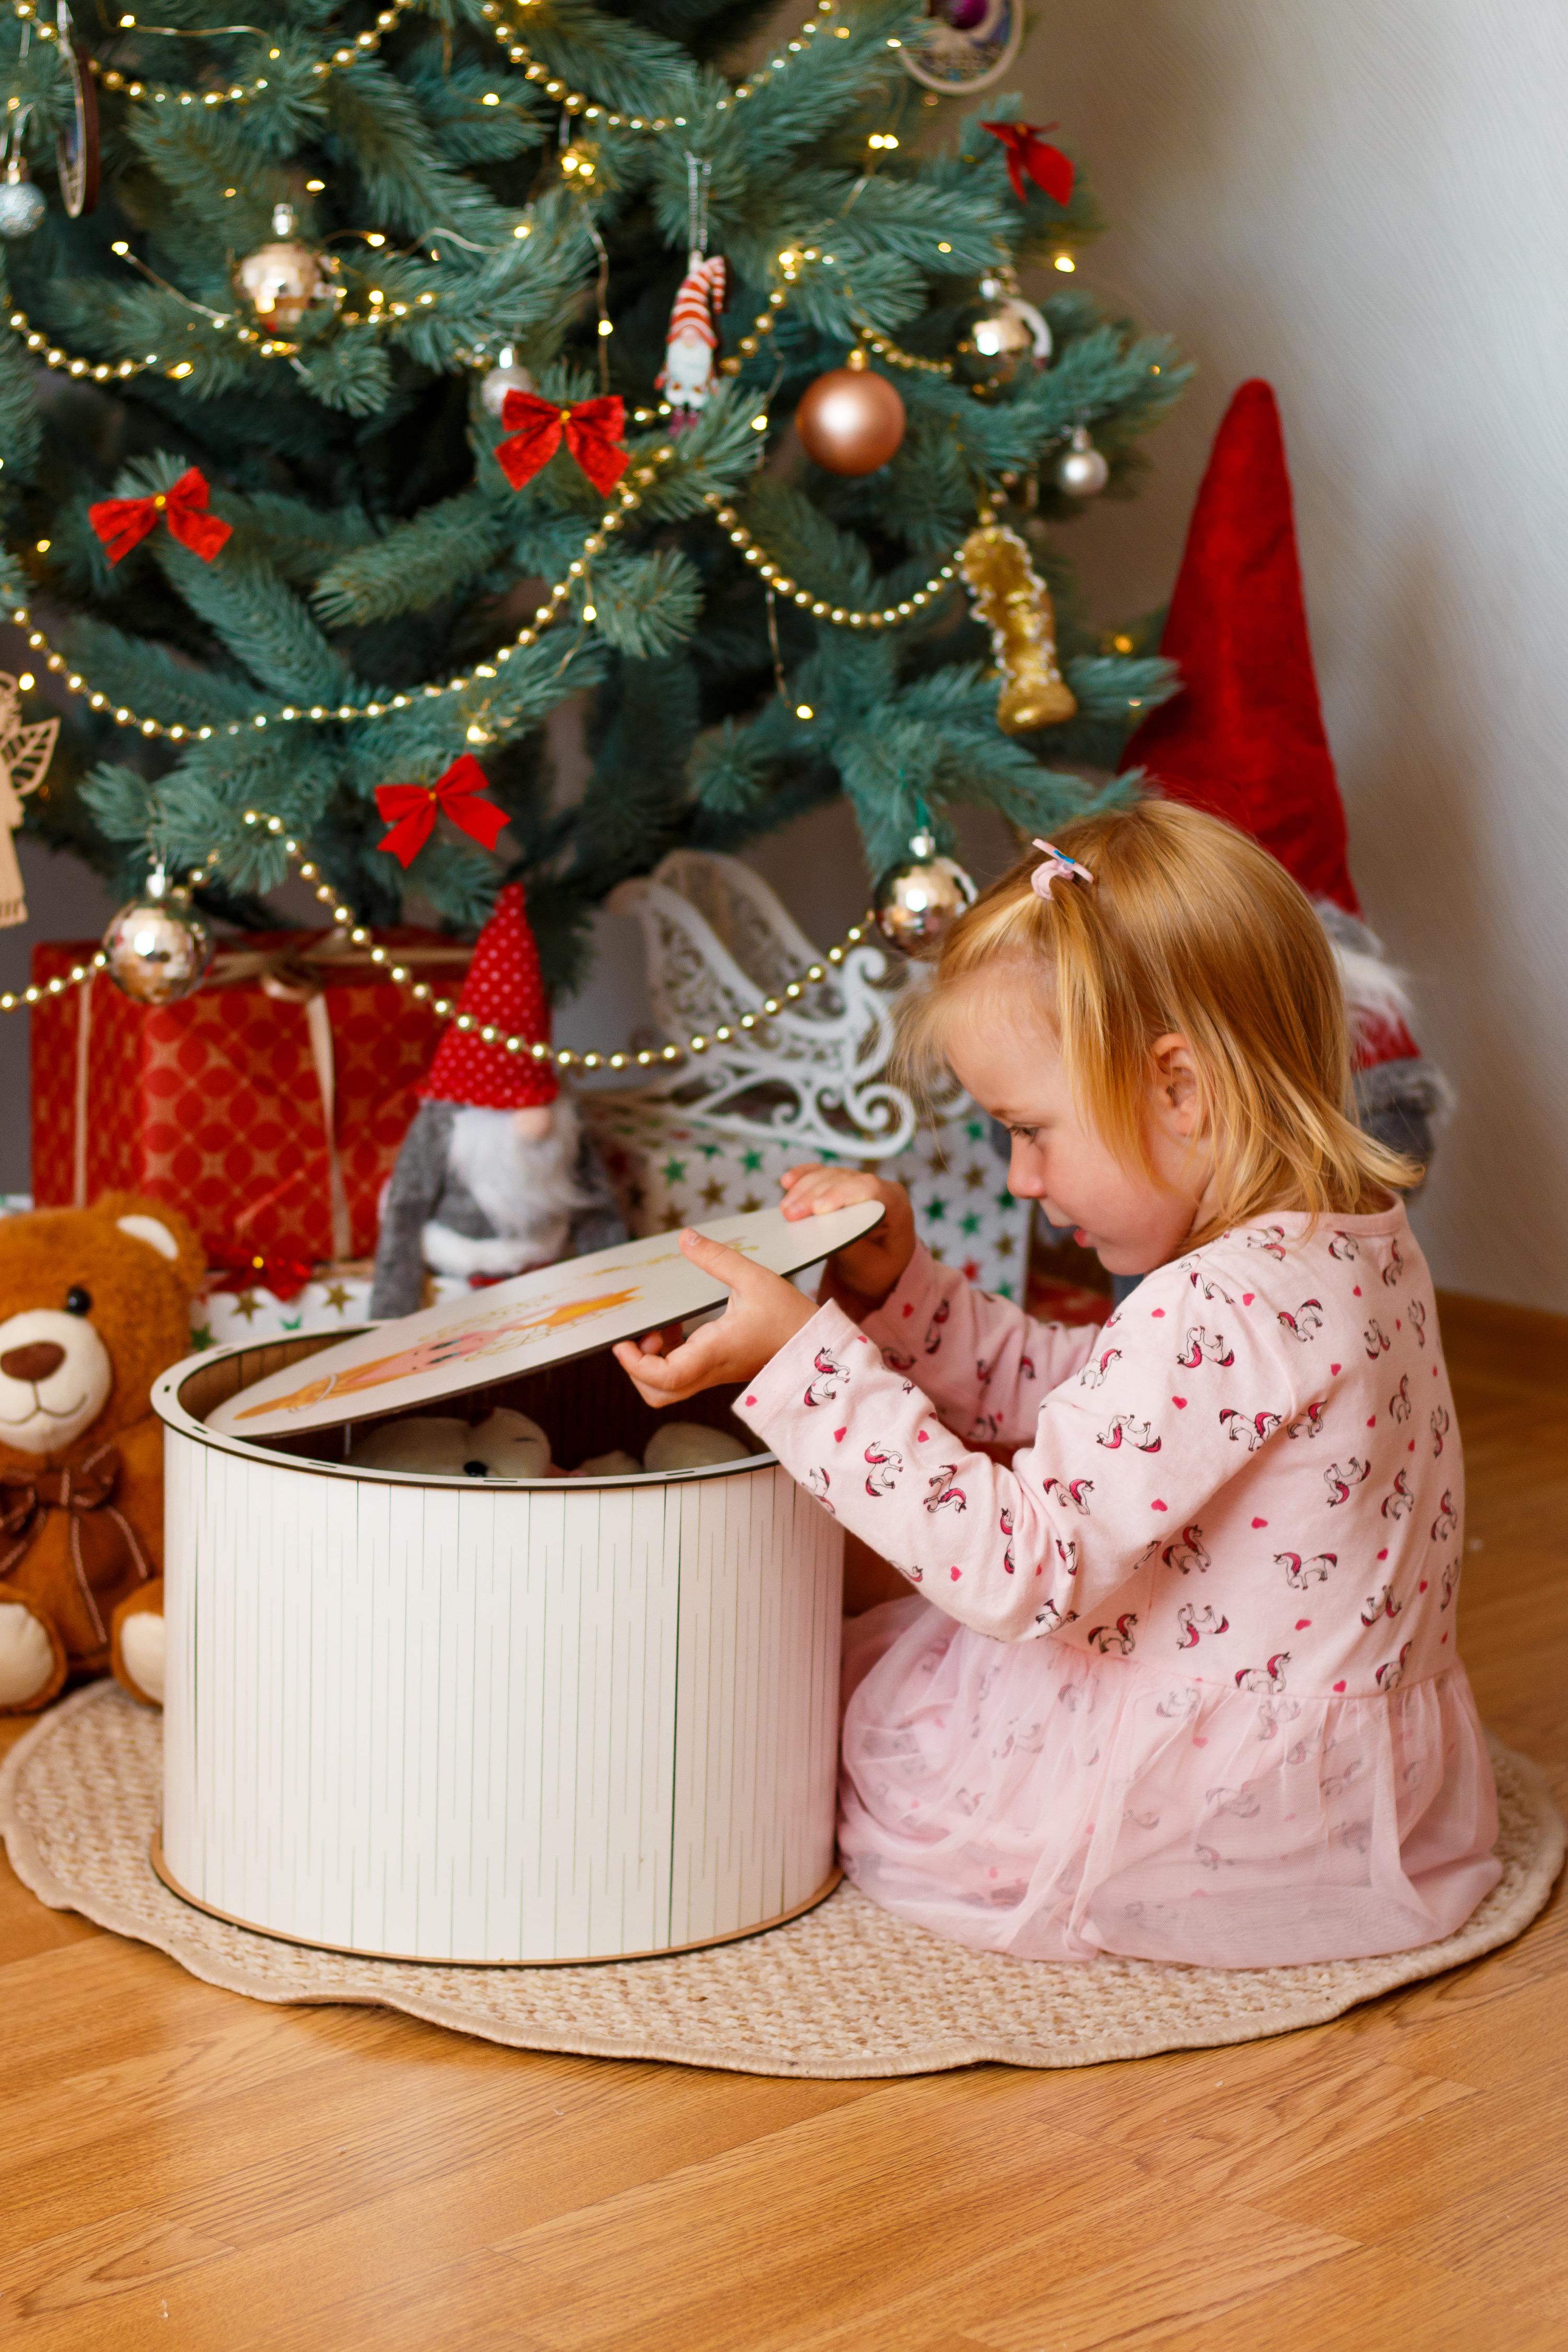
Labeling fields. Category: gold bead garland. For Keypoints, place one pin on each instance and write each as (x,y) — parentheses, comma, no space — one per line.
(628,497)
(363,44)
(565,1057)
(17,1000)
(821,608)
(506,35)
(886,349)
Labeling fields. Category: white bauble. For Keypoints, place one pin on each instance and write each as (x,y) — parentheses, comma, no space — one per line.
(504,377)
(1080,469)
(22,206)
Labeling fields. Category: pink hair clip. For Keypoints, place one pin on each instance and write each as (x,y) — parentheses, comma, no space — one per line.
(1053,866)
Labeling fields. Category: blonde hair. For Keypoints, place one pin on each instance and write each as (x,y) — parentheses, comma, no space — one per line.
(1189,927)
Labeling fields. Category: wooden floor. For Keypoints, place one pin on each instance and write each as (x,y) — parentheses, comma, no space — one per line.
(182,2167)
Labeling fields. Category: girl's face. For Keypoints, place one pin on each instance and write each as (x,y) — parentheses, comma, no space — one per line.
(1132,1220)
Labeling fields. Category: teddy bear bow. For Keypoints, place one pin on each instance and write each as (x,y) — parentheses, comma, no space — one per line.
(104,1544)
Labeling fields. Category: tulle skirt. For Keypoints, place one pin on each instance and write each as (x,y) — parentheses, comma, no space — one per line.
(1039,1800)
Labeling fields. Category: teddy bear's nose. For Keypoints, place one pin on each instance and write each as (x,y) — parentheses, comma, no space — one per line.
(32,1363)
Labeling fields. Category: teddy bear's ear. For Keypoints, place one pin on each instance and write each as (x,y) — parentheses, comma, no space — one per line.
(158,1228)
(147,1229)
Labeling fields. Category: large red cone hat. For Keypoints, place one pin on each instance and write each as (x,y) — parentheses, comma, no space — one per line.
(503,991)
(1246,739)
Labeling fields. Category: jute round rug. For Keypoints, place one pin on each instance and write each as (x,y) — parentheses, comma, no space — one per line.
(845,1990)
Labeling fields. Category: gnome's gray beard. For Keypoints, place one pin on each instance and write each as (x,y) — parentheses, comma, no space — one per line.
(525,1186)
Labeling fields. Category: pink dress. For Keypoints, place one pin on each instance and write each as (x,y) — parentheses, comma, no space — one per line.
(1181,1683)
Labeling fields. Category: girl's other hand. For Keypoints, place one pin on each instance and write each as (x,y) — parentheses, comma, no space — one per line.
(867,1271)
(763,1315)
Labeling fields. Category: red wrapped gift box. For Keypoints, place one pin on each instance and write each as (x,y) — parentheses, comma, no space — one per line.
(219,1105)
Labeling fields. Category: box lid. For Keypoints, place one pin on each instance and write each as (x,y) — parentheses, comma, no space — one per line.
(549,1317)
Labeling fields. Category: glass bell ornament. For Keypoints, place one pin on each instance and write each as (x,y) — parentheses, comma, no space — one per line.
(504,377)
(158,948)
(22,207)
(917,902)
(282,279)
(1005,335)
(1080,471)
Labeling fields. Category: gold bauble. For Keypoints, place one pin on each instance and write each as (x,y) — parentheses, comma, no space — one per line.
(851,420)
(282,279)
(917,902)
(1003,338)
(158,947)
(1015,603)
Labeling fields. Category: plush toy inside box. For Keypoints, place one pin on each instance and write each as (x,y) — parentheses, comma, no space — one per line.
(495,1720)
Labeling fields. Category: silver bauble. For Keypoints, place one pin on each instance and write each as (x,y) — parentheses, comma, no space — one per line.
(1080,469)
(158,947)
(1001,338)
(281,280)
(504,377)
(22,206)
(917,902)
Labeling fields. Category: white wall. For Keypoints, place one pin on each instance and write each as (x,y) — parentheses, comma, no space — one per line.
(1366,201)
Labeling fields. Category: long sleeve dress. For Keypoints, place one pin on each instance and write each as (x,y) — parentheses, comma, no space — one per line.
(1181,1682)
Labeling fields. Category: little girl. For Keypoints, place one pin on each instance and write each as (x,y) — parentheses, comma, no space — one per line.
(1181,1682)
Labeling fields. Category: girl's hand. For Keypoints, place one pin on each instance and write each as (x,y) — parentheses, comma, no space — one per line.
(763,1315)
(867,1271)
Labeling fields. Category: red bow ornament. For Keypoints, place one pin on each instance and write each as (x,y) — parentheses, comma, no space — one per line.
(536,429)
(124,523)
(1027,152)
(411,810)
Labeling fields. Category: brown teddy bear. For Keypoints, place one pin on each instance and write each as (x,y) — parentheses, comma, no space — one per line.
(94,1304)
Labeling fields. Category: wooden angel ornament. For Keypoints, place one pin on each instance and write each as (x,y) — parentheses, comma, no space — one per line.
(25,755)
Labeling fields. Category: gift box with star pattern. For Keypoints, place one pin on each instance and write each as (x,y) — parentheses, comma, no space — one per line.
(668,1171)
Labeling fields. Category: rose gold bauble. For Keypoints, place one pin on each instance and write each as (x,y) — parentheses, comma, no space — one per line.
(282,279)
(851,420)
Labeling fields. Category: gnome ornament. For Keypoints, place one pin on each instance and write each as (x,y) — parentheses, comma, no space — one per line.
(689,376)
(1244,740)
(494,1174)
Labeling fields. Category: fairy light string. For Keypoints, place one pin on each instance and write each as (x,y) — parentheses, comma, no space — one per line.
(565,1057)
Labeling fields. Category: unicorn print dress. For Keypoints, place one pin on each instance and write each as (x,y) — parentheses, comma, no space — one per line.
(1181,1682)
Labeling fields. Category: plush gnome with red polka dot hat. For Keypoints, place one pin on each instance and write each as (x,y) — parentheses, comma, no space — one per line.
(1244,740)
(494,1174)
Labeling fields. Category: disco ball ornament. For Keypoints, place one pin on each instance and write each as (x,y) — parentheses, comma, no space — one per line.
(1080,469)
(22,207)
(158,948)
(917,902)
(282,279)
(850,420)
(504,377)
(1004,337)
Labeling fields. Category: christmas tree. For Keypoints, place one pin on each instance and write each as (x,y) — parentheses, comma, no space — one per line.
(408,374)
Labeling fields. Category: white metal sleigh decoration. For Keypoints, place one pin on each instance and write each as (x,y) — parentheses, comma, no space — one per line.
(25,752)
(714,1135)
(719,944)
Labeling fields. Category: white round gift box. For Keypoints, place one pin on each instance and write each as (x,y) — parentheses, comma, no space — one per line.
(492,1722)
